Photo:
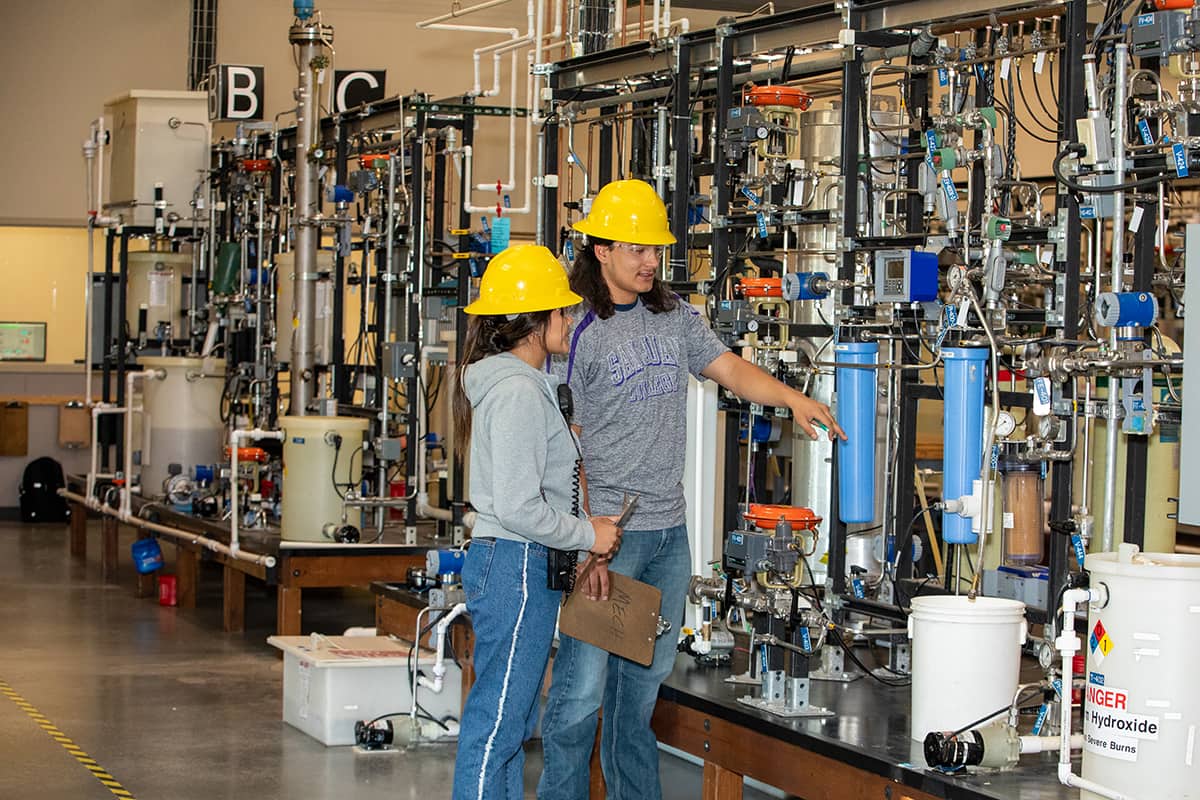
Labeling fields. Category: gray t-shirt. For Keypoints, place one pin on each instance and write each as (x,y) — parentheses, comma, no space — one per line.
(629,378)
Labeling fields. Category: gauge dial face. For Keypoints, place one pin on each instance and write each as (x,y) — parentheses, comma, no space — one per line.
(1005,424)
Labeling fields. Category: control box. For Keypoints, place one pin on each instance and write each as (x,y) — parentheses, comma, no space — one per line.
(905,276)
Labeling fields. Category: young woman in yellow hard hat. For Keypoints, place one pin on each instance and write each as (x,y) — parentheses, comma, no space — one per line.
(524,476)
(628,365)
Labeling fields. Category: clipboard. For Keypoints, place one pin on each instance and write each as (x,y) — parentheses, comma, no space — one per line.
(626,624)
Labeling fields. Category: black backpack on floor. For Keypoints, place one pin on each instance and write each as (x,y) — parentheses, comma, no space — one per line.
(39,492)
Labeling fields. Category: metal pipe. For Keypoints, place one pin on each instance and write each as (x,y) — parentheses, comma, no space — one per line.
(801,70)
(1120,100)
(660,148)
(310,38)
(386,279)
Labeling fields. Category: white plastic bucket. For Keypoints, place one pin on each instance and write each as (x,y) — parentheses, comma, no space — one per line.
(966,659)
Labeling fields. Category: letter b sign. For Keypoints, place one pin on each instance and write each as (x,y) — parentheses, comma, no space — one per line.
(235,93)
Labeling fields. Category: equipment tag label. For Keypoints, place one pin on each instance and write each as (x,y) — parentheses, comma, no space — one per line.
(1005,64)
(1087,212)
(1181,164)
(930,146)
(1144,130)
(1041,396)
(943,77)
(1039,62)
(1145,19)
(1041,719)
(805,639)
(1109,729)
(948,188)
(1080,551)
(1135,220)
(762,224)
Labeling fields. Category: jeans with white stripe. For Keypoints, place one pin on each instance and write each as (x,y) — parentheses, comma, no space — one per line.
(513,614)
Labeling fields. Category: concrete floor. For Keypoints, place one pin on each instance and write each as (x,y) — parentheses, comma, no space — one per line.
(169,705)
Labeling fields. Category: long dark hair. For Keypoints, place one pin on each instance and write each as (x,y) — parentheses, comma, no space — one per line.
(487,336)
(588,282)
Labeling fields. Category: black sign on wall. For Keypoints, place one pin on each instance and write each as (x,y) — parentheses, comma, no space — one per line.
(235,92)
(353,87)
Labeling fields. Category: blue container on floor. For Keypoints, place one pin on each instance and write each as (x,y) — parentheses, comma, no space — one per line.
(147,555)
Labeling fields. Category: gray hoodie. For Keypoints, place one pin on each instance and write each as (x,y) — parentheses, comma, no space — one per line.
(522,456)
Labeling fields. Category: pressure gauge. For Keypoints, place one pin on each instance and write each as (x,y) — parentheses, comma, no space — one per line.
(1045,655)
(1049,428)
(762,132)
(956,276)
(1005,424)
(752,325)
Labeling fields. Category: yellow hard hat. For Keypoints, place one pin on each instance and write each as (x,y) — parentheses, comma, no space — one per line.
(520,279)
(628,211)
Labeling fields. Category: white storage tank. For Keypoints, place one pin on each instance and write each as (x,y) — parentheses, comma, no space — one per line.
(182,418)
(322,458)
(1142,703)
(159,282)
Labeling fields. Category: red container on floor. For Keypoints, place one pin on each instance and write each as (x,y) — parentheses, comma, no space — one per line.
(166,590)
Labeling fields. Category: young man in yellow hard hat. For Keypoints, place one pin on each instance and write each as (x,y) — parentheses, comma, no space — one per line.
(628,365)
(524,477)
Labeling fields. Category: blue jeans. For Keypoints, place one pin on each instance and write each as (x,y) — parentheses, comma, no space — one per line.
(586,676)
(513,614)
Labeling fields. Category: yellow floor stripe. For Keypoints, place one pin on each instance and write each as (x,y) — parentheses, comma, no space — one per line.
(87,762)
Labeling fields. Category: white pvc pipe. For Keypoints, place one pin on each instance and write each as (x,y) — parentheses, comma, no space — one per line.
(1048,744)
(1067,643)
(235,513)
(97,410)
(130,409)
(462,12)
(439,664)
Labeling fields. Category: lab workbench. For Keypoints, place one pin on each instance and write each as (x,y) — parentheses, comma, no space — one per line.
(863,751)
(298,565)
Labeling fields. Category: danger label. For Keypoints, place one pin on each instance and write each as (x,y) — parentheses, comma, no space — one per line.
(1109,729)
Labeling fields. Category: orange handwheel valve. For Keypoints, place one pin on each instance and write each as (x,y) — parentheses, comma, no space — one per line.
(767,516)
(789,96)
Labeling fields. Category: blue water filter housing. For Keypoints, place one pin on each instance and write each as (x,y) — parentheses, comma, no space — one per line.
(857,395)
(962,427)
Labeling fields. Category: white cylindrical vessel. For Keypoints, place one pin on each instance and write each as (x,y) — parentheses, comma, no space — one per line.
(158,282)
(1142,704)
(182,418)
(322,458)
(966,659)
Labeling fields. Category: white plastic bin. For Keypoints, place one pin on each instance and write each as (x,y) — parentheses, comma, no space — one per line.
(345,679)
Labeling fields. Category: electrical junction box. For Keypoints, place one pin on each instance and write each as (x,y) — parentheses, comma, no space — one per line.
(155,138)
(1030,585)
(331,682)
(746,550)
(905,276)
(1155,35)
